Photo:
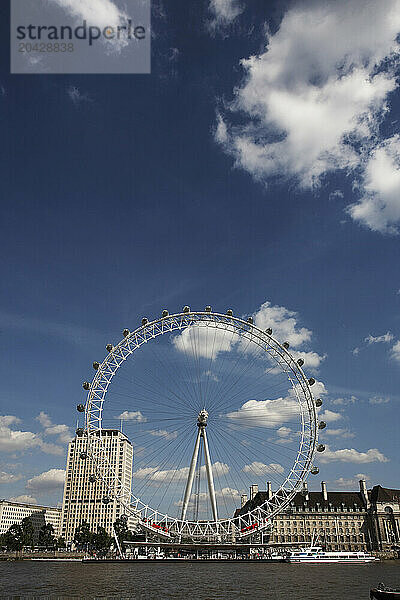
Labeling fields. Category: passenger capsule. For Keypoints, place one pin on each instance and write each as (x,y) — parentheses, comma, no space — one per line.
(250,320)
(79,432)
(268,331)
(286,345)
(314,471)
(164,314)
(125,332)
(320,448)
(186,309)
(229,312)
(311,381)
(300,362)
(106,500)
(86,385)
(318,402)
(321,425)
(208,309)
(109,347)
(83,455)
(144,321)
(80,408)
(92,478)
(96,365)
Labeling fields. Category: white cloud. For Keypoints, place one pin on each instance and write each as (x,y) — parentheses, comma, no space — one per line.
(136,416)
(25,499)
(258,468)
(168,435)
(154,474)
(284,431)
(344,401)
(343,433)
(224,13)
(311,103)
(77,96)
(386,338)
(330,416)
(283,323)
(396,351)
(351,455)
(204,341)
(9,477)
(379,207)
(312,360)
(49,481)
(12,440)
(61,430)
(267,413)
(347,483)
(379,400)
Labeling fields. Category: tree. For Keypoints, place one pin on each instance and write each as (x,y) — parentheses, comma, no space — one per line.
(28,531)
(83,536)
(61,543)
(46,536)
(122,532)
(14,538)
(101,541)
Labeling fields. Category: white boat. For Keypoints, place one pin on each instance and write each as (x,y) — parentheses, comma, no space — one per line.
(315,554)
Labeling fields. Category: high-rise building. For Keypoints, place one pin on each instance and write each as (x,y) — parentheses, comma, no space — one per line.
(12,513)
(86,496)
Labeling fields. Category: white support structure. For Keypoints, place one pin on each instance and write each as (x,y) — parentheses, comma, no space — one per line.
(189,483)
(210,476)
(201,424)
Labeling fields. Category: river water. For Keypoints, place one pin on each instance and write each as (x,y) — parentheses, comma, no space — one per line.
(158,580)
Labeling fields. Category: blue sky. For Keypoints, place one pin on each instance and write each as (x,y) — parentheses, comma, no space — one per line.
(215,180)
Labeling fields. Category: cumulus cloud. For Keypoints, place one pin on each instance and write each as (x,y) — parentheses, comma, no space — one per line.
(204,341)
(312,101)
(163,433)
(62,431)
(135,416)
(49,481)
(24,498)
(14,440)
(379,206)
(330,416)
(379,400)
(343,433)
(9,477)
(265,413)
(344,401)
(346,483)
(76,96)
(386,338)
(154,474)
(396,351)
(258,468)
(98,13)
(351,455)
(224,13)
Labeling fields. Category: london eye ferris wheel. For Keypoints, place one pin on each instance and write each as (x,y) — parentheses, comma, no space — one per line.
(212,405)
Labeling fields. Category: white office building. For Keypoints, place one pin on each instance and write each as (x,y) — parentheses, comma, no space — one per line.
(12,513)
(86,496)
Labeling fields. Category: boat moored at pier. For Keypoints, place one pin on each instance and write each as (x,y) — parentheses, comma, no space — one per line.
(315,554)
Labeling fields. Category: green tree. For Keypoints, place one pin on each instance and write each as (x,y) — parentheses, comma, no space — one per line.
(46,536)
(14,538)
(122,532)
(83,536)
(101,541)
(28,531)
(61,543)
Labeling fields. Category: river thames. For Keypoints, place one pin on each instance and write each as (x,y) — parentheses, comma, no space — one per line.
(209,581)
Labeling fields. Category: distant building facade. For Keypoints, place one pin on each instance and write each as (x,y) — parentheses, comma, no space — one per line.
(12,513)
(363,520)
(87,497)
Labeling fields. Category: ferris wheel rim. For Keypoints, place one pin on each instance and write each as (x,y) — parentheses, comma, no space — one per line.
(131,342)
